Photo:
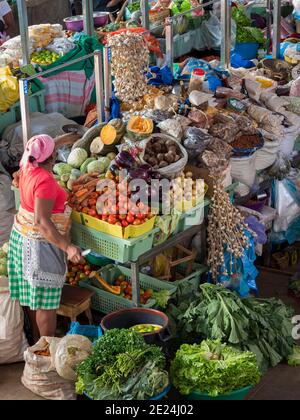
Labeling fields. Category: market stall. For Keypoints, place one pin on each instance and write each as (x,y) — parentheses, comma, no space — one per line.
(179,180)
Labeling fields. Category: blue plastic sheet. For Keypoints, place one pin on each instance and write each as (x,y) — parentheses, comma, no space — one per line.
(115,108)
(237,61)
(163,76)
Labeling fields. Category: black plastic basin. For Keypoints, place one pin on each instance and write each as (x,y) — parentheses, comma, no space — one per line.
(128,318)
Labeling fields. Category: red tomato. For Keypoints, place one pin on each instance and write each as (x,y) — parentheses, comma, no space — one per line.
(125,223)
(92,212)
(104,217)
(122,216)
(141,216)
(137,222)
(130,219)
(92,202)
(112,220)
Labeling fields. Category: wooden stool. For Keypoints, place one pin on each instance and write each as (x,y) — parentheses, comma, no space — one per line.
(75,301)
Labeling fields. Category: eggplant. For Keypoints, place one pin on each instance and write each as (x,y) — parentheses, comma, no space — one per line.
(125,160)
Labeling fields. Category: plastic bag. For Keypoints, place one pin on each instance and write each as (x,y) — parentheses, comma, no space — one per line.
(9,92)
(211,30)
(196,141)
(281,167)
(243,170)
(12,339)
(63,154)
(172,128)
(71,350)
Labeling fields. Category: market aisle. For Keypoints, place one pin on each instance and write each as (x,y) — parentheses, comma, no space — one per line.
(11,387)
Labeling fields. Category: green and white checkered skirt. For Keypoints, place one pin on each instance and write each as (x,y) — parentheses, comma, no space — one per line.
(33,297)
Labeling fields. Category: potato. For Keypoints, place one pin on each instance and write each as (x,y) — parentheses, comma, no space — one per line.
(170,157)
(157,147)
(173,149)
(170,143)
(160,157)
(152,161)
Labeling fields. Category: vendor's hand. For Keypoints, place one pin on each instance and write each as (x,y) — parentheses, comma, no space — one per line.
(74,254)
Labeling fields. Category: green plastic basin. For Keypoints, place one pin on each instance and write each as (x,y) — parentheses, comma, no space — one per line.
(237,395)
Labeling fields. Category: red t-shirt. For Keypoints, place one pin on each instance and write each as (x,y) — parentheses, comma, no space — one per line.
(39,183)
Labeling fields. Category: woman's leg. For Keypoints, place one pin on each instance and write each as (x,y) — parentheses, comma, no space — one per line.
(33,325)
(46,322)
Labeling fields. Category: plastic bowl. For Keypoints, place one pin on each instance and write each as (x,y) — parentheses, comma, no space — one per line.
(238,395)
(74,23)
(100,19)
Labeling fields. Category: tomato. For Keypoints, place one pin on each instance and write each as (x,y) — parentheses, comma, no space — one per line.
(92,202)
(137,222)
(130,219)
(86,267)
(112,220)
(85,210)
(74,269)
(92,213)
(141,216)
(87,273)
(118,224)
(122,216)
(104,217)
(125,223)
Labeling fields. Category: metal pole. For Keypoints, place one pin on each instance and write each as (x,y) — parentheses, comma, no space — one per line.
(135,281)
(107,82)
(226,32)
(99,86)
(23,25)
(88,17)
(24,104)
(276,28)
(145,14)
(169,43)
(269,25)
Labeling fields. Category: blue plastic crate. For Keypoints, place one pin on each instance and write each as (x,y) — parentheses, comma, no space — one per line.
(90,331)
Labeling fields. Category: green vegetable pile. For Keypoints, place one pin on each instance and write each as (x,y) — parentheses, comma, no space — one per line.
(122,367)
(134,7)
(244,31)
(262,326)
(213,368)
(294,358)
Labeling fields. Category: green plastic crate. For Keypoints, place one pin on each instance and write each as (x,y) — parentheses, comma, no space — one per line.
(121,250)
(13,115)
(191,282)
(17,197)
(106,302)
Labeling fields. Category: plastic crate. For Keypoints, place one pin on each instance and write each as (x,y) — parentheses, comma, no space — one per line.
(121,250)
(13,115)
(191,282)
(192,217)
(17,197)
(90,331)
(106,302)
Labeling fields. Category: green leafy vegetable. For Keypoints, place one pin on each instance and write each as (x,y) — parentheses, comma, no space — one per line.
(294,359)
(162,298)
(262,326)
(244,31)
(122,367)
(213,368)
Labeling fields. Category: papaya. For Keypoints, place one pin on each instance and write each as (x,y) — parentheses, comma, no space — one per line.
(139,128)
(102,284)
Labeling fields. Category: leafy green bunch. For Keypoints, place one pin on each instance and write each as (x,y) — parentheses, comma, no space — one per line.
(122,366)
(213,368)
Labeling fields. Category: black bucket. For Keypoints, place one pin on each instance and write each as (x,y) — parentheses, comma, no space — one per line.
(128,318)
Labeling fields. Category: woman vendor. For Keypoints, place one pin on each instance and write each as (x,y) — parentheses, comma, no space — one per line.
(39,241)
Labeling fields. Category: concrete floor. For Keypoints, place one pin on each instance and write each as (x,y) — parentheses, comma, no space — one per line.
(280,383)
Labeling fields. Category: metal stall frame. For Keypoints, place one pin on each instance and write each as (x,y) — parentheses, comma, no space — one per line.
(24,98)
(23,25)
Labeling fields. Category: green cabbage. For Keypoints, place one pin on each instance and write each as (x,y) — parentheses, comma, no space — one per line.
(96,166)
(62,168)
(106,162)
(77,157)
(213,368)
(83,167)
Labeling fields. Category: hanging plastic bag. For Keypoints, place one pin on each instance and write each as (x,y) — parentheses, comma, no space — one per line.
(211,30)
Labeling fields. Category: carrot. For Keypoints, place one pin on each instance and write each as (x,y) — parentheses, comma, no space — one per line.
(83,197)
(81,179)
(81,192)
(91,184)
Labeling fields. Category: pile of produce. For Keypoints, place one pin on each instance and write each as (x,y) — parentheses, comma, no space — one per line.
(213,368)
(3,260)
(44,57)
(294,358)
(122,367)
(128,50)
(160,153)
(244,31)
(78,272)
(226,233)
(126,290)
(262,326)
